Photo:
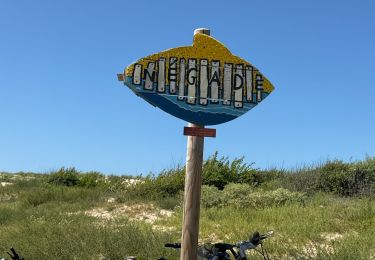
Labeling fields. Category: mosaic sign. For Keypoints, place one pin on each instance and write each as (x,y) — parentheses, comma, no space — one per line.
(204,84)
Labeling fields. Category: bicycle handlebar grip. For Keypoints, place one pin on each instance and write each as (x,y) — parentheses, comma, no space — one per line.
(175,245)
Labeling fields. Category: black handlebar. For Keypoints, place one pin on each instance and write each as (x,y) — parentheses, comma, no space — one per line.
(15,256)
(257,238)
(174,245)
(220,249)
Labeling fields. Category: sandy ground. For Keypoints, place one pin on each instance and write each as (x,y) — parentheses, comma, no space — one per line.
(3,184)
(140,212)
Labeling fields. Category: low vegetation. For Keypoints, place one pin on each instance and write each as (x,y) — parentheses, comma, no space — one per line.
(326,211)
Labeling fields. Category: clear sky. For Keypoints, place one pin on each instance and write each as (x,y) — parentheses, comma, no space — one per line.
(61,103)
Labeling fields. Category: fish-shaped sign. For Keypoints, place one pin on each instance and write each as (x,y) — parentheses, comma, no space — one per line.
(204,84)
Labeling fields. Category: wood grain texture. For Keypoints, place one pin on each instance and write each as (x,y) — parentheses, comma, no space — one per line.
(192,195)
(200,131)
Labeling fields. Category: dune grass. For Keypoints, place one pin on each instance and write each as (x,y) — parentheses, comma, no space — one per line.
(326,227)
(48,222)
(45,216)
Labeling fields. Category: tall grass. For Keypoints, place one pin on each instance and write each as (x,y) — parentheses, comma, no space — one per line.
(297,228)
(43,216)
(76,237)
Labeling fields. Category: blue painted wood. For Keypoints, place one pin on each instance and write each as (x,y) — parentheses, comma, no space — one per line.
(203,84)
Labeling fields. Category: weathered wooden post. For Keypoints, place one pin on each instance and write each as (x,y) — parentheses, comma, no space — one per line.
(192,192)
(192,195)
(203,84)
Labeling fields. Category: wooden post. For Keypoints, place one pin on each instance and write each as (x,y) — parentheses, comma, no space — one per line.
(192,193)
(192,196)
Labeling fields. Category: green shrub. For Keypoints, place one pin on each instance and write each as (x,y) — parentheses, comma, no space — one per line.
(259,178)
(332,177)
(365,176)
(244,196)
(168,183)
(337,177)
(91,179)
(348,179)
(4,177)
(65,177)
(211,197)
(303,180)
(216,172)
(219,172)
(115,183)
(236,191)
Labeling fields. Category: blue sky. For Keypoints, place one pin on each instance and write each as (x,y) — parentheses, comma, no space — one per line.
(61,103)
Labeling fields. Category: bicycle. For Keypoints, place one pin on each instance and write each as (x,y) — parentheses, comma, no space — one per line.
(219,251)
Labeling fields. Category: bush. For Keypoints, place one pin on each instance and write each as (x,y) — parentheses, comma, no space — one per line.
(258,178)
(235,191)
(169,183)
(211,197)
(243,196)
(4,177)
(348,179)
(71,177)
(220,172)
(91,179)
(332,176)
(302,180)
(64,177)
(365,177)
(337,177)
